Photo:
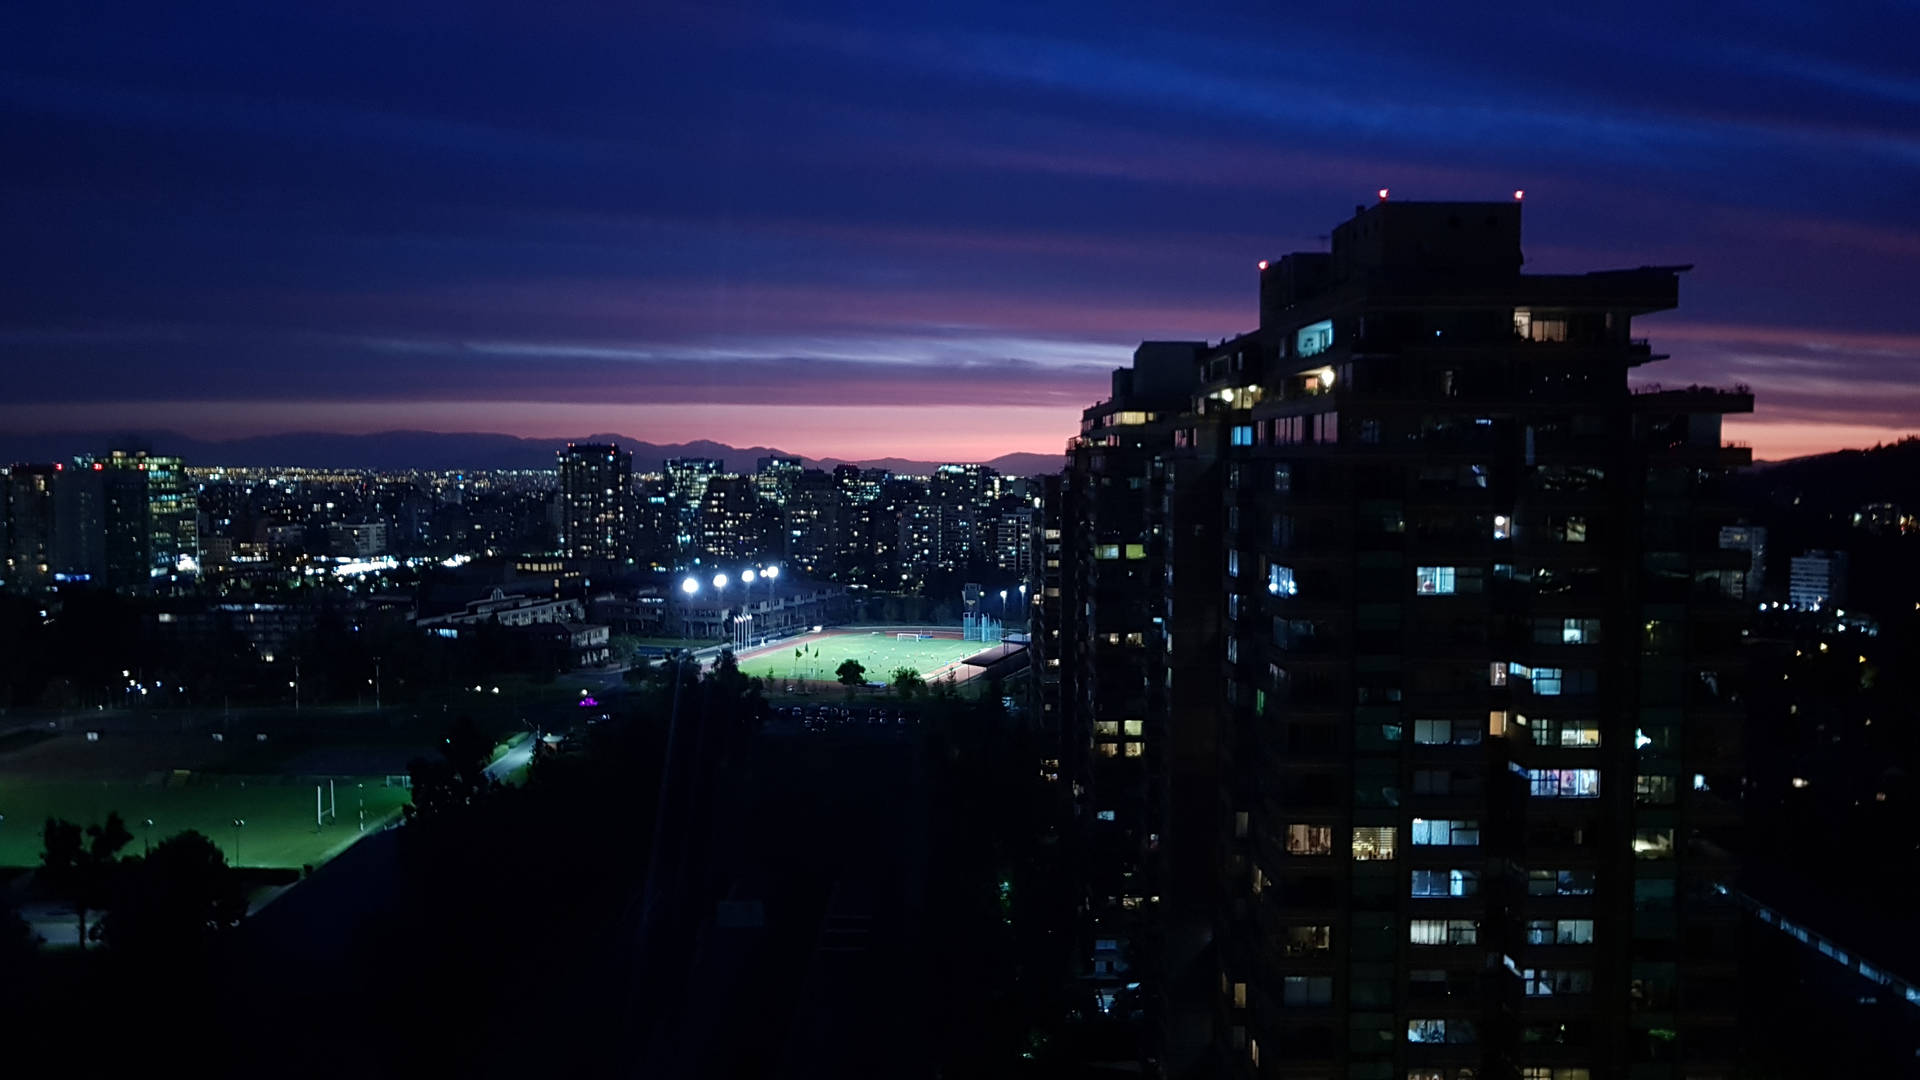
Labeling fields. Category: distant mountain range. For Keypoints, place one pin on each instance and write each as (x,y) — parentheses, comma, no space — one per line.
(437,450)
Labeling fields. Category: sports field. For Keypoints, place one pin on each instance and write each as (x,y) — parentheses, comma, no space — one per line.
(278,811)
(817,657)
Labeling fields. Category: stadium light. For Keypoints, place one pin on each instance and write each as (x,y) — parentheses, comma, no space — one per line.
(746,576)
(689,586)
(773,572)
(719,581)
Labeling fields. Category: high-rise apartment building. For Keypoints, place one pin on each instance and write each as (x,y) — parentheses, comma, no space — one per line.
(1414,623)
(596,490)
(1751,539)
(775,477)
(30,531)
(729,518)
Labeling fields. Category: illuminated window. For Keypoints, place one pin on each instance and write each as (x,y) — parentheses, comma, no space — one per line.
(1132,727)
(1313,339)
(1560,883)
(1445,883)
(1434,580)
(1556,982)
(1134,749)
(1309,840)
(1306,940)
(1564,783)
(1307,990)
(1107,749)
(1280,581)
(1496,722)
(1443,932)
(1239,995)
(1106,727)
(1106,551)
(1653,844)
(1441,832)
(1371,843)
(1448,1030)
(1136,551)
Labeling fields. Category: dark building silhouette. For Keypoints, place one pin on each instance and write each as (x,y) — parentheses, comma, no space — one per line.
(29,524)
(1398,675)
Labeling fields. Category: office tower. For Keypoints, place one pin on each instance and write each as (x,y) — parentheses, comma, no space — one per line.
(775,477)
(729,519)
(1751,539)
(596,483)
(1457,597)
(655,523)
(1817,579)
(30,529)
(962,495)
(171,508)
(688,477)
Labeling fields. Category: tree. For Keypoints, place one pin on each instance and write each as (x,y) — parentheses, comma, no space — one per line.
(907,682)
(177,899)
(457,777)
(852,673)
(78,869)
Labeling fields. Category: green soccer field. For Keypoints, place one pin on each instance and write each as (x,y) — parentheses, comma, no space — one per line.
(879,652)
(278,811)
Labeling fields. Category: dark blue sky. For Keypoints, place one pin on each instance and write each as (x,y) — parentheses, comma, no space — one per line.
(779,223)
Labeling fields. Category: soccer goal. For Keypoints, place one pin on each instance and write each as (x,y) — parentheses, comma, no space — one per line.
(906,637)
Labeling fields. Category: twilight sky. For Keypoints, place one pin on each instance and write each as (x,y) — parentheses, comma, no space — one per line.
(881,228)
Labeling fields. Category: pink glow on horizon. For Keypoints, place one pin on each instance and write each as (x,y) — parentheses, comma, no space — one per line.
(929,432)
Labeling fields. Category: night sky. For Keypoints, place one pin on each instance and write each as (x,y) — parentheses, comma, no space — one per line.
(870,229)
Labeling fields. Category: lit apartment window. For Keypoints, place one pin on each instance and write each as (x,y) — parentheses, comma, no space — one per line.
(1560,883)
(1239,995)
(1233,563)
(1136,551)
(1313,339)
(1135,749)
(1497,673)
(1280,581)
(1447,1030)
(1309,840)
(1496,722)
(1556,982)
(1442,832)
(1443,932)
(1654,790)
(1307,990)
(1445,883)
(1241,435)
(1559,931)
(1434,580)
(1553,1072)
(1132,727)
(1306,940)
(1375,842)
(1564,783)
(1653,843)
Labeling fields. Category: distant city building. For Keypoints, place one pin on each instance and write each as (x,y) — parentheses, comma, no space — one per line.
(1751,539)
(728,519)
(1013,541)
(1817,579)
(357,541)
(774,478)
(29,548)
(811,524)
(102,525)
(172,512)
(595,488)
(1883,518)
(687,477)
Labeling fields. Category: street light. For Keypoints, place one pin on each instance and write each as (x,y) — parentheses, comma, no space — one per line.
(746,576)
(690,586)
(238,824)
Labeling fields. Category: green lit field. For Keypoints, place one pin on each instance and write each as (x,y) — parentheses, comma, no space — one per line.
(881,653)
(278,812)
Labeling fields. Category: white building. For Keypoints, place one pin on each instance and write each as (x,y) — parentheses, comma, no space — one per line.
(1818,579)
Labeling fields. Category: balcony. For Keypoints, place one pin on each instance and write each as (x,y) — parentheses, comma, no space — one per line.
(1653,397)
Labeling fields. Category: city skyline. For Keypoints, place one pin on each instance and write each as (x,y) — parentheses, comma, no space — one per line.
(935,245)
